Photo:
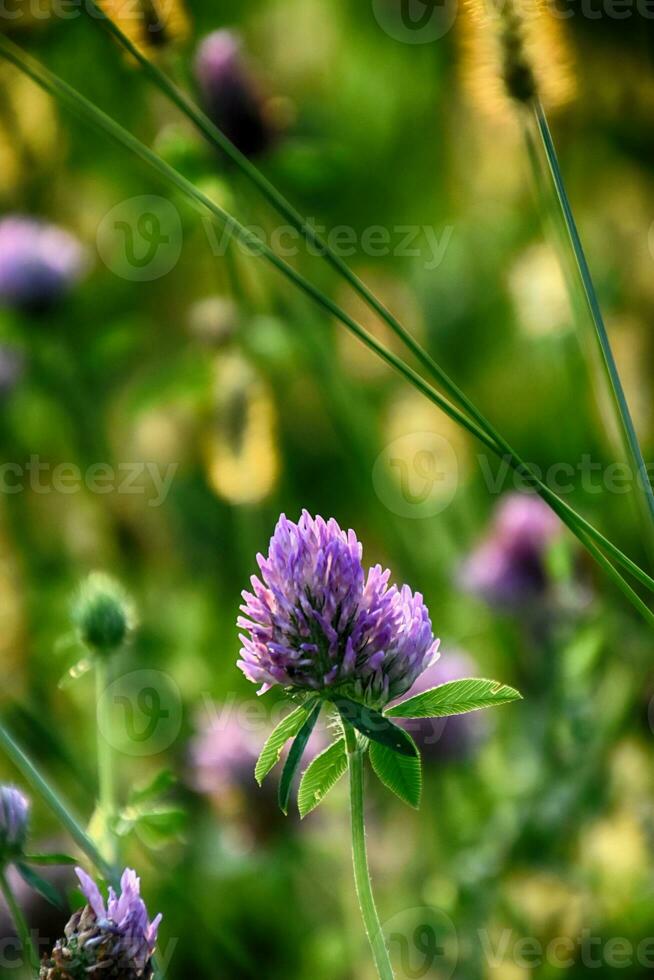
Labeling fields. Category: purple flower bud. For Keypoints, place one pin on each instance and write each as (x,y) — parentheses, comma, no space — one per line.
(230,92)
(38,263)
(317,622)
(14,816)
(114,940)
(456,737)
(508,568)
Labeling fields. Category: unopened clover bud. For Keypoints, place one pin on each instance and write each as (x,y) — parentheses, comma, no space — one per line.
(103,613)
(14,816)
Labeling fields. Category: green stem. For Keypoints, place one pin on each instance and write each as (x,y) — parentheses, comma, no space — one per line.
(54,802)
(360,859)
(585,283)
(22,930)
(79,104)
(106,783)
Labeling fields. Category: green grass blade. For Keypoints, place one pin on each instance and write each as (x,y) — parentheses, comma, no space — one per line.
(587,534)
(618,398)
(218,139)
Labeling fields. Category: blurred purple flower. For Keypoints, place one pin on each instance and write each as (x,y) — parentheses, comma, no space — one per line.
(12,363)
(509,568)
(317,621)
(14,817)
(112,940)
(230,92)
(39,262)
(446,739)
(222,757)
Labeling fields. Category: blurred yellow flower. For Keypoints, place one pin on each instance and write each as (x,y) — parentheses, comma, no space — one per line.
(552,906)
(241,449)
(539,292)
(150,25)
(615,853)
(29,135)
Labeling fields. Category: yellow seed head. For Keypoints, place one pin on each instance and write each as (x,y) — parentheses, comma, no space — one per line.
(515,51)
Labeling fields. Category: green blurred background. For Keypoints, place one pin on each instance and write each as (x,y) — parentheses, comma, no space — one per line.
(215,367)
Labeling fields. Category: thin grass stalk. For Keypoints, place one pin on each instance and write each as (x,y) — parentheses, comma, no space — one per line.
(218,139)
(105,754)
(100,120)
(587,288)
(29,950)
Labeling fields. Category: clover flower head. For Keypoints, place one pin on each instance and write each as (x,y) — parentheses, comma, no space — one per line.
(315,621)
(14,818)
(509,568)
(113,939)
(230,92)
(39,262)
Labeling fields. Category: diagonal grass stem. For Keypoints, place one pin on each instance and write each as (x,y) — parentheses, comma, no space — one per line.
(100,120)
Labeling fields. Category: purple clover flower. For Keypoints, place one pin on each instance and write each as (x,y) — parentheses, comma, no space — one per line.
(453,738)
(14,817)
(508,568)
(114,940)
(318,622)
(230,92)
(39,262)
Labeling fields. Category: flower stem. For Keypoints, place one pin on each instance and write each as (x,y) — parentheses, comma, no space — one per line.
(360,859)
(22,930)
(106,782)
(59,808)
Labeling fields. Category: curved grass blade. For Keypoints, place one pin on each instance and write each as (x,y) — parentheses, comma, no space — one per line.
(586,533)
(45,860)
(619,400)
(295,757)
(218,139)
(40,885)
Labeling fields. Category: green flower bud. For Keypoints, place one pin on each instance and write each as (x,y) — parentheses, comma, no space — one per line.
(103,613)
